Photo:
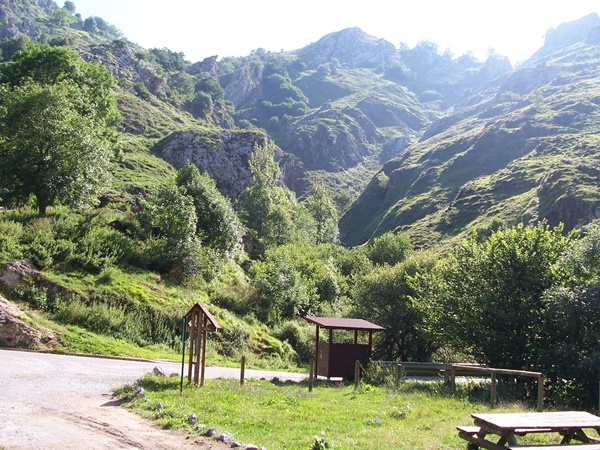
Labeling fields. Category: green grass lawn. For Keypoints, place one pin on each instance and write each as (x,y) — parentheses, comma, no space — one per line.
(286,416)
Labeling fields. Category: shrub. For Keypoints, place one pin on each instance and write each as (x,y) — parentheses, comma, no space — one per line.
(10,245)
(40,242)
(300,337)
(100,248)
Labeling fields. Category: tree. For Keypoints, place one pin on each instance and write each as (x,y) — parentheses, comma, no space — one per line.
(55,143)
(62,17)
(486,298)
(270,211)
(172,218)
(217,224)
(323,210)
(48,65)
(572,324)
(384,296)
(47,149)
(70,6)
(295,280)
(90,25)
(389,248)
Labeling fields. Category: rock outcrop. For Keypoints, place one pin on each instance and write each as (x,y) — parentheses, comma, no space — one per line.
(352,47)
(225,156)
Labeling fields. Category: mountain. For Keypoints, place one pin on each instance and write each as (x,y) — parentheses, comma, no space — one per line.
(523,148)
(415,139)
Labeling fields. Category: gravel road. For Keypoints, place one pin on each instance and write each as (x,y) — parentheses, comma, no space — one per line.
(65,402)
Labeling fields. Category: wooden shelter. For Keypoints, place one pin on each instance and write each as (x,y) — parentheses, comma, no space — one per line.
(199,322)
(338,360)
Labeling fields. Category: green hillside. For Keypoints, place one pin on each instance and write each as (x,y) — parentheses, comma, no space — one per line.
(522,150)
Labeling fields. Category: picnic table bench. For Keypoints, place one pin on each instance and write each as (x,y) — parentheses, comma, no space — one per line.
(569,425)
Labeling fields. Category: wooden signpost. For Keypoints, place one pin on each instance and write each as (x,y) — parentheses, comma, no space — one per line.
(198,323)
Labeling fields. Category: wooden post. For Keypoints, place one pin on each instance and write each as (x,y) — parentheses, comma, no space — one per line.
(243,370)
(317,352)
(183,331)
(197,339)
(398,374)
(540,405)
(203,359)
(192,341)
(311,377)
(329,351)
(493,399)
(356,374)
(453,378)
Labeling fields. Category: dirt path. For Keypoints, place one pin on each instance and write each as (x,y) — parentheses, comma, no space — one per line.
(65,402)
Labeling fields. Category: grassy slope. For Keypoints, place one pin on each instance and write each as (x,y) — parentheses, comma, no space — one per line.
(520,157)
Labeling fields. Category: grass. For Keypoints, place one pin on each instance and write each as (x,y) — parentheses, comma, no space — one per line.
(416,415)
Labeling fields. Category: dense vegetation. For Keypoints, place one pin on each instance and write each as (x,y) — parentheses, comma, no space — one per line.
(515,294)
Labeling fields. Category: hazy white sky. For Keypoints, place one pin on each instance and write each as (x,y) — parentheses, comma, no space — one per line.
(203,28)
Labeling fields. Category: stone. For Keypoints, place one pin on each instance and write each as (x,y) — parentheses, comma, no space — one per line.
(211,432)
(159,371)
(192,420)
(225,437)
(140,392)
(250,447)
(159,406)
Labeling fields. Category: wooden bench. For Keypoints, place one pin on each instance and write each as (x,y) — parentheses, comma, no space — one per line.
(519,432)
(469,433)
(556,447)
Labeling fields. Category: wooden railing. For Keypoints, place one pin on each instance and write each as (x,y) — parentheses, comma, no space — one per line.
(454,370)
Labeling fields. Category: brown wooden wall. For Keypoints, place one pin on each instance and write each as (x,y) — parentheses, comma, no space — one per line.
(343,358)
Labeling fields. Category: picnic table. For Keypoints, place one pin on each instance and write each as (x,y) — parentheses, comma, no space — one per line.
(500,431)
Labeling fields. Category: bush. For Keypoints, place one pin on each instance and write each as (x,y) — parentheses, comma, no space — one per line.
(40,243)
(100,248)
(300,336)
(10,245)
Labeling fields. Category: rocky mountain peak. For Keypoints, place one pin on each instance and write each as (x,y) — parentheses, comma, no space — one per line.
(568,33)
(351,46)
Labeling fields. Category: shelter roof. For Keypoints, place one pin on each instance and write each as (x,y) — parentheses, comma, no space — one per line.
(334,323)
(199,308)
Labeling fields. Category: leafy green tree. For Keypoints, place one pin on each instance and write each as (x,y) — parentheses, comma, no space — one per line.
(384,296)
(90,25)
(55,143)
(212,87)
(294,280)
(217,224)
(201,106)
(172,218)
(47,149)
(270,211)
(48,65)
(389,248)
(62,18)
(70,6)
(571,356)
(486,298)
(323,210)
(180,88)
(169,60)
(11,46)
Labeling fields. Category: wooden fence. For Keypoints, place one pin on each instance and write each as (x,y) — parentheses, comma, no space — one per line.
(465,370)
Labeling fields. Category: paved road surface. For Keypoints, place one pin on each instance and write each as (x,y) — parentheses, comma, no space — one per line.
(64,402)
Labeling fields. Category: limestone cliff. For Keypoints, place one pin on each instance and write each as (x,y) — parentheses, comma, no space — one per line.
(225,156)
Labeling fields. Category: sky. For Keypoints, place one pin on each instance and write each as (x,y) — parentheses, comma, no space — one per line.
(204,28)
